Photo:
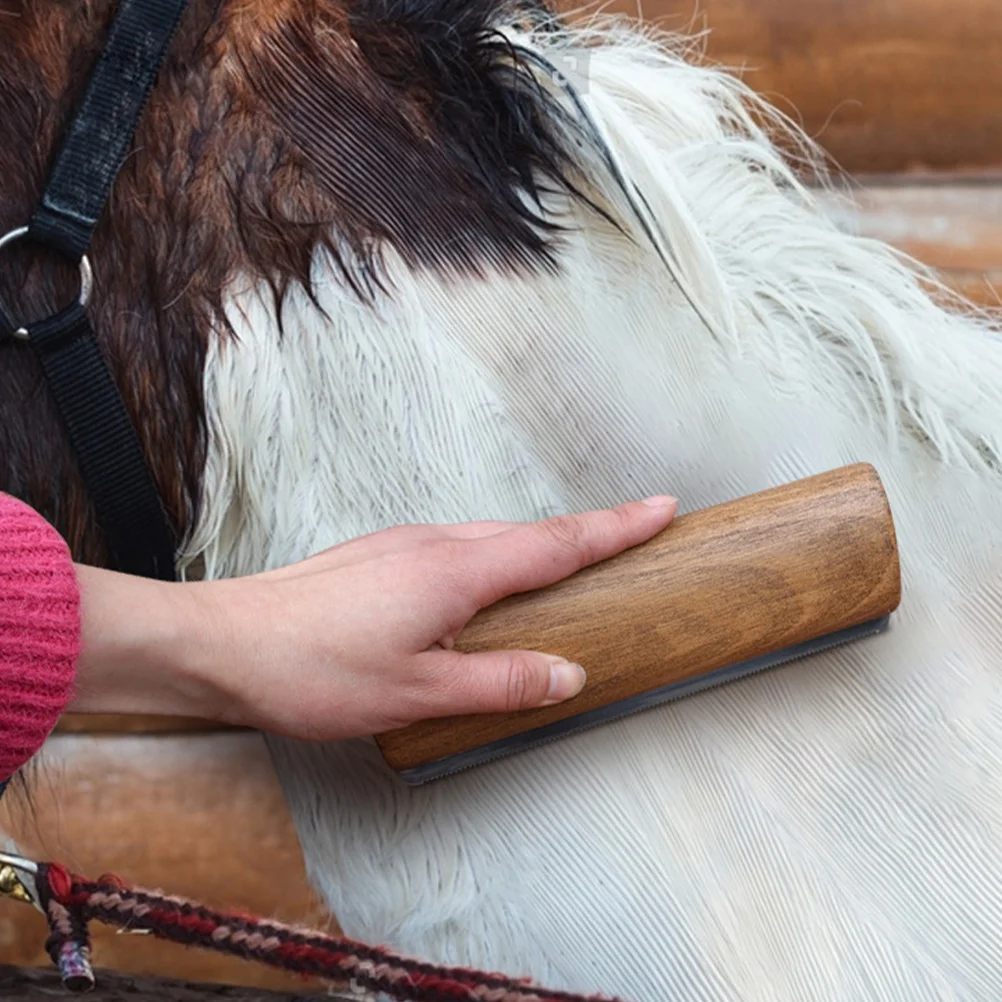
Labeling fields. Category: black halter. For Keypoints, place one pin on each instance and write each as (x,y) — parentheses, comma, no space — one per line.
(111,459)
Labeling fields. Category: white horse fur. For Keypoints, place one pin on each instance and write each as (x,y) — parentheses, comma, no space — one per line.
(829,830)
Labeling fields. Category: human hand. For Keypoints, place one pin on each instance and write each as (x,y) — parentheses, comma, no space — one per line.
(354,641)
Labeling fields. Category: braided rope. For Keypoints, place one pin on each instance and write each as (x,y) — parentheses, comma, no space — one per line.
(70,902)
(69,945)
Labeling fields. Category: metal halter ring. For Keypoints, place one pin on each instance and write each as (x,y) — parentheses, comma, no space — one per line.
(86,274)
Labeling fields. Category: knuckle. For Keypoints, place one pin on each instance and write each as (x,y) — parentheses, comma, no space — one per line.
(454,553)
(619,521)
(568,533)
(521,685)
(455,566)
(624,515)
(430,682)
(466,571)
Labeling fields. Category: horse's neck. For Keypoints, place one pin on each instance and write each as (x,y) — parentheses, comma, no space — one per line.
(717,849)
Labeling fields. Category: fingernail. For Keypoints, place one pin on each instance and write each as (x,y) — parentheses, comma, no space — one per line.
(660,501)
(566,679)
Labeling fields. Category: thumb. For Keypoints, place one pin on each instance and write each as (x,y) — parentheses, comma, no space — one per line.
(502,681)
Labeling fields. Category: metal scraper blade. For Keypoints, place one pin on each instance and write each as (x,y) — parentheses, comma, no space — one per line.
(428,771)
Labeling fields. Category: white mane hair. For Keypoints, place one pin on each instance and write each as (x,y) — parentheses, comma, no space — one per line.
(827,830)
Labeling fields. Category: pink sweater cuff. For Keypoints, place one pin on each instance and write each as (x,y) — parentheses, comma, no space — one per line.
(39,631)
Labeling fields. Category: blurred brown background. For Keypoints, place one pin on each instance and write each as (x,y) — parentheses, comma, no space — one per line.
(904,94)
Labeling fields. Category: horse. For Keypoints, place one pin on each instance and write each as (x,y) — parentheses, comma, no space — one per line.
(373,262)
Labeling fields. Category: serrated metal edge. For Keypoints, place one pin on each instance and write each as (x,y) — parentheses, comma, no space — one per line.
(463,761)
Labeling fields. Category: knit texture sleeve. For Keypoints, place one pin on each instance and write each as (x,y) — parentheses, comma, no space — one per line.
(39,631)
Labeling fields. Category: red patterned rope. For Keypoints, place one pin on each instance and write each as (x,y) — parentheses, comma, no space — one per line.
(70,902)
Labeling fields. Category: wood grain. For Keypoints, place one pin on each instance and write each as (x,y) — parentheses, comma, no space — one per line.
(951,224)
(716,587)
(883,85)
(201,815)
(981,288)
(137,723)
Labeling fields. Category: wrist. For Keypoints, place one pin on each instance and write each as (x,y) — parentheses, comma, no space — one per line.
(143,647)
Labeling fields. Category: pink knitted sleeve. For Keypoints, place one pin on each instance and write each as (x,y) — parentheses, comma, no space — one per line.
(39,631)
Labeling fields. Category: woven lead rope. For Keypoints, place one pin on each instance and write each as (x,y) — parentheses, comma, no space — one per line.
(70,902)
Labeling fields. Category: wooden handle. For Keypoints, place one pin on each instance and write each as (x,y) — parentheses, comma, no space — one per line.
(718,586)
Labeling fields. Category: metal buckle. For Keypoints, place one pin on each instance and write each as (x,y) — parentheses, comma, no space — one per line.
(17,879)
(86,275)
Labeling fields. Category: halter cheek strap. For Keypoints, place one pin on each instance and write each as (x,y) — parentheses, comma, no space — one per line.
(101,433)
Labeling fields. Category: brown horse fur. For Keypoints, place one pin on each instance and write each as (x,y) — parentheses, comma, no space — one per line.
(273,126)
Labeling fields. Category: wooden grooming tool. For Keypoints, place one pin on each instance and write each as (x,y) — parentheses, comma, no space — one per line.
(719,594)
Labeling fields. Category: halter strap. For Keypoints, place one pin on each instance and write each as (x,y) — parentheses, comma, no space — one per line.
(115,470)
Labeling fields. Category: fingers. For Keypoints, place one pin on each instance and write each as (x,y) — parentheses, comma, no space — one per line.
(538,554)
(495,681)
